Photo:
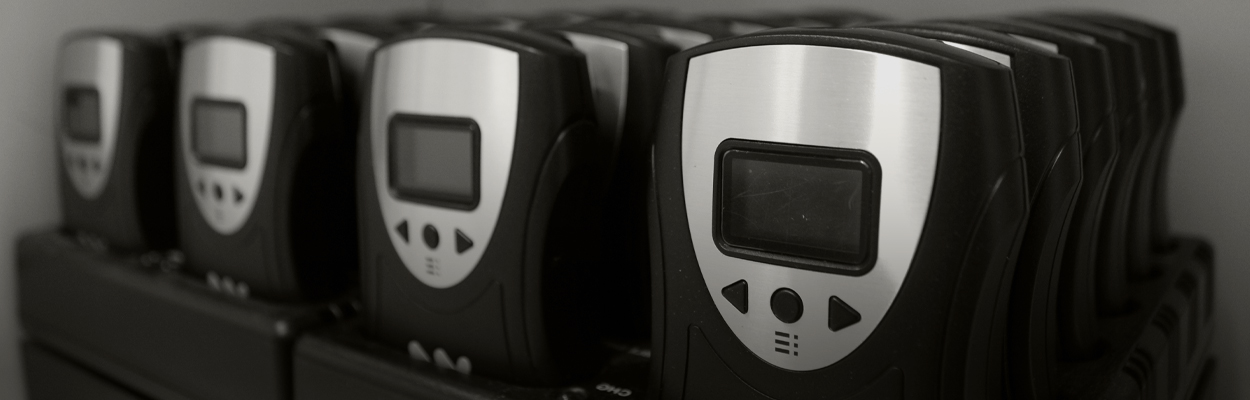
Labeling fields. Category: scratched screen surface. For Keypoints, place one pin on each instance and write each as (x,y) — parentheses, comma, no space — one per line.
(795,208)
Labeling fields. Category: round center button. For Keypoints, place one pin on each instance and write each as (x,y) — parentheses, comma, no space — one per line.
(787,305)
(430,235)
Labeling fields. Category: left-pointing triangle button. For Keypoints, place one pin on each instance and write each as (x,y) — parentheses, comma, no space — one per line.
(402,230)
(736,293)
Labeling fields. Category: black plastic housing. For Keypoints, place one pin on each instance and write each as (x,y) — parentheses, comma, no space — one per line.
(50,376)
(299,241)
(1157,109)
(1045,94)
(1075,308)
(1129,87)
(135,210)
(340,363)
(625,283)
(518,315)
(160,333)
(950,314)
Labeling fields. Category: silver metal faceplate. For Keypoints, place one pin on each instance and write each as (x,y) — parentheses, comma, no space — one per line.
(995,56)
(91,62)
(607,62)
(447,78)
(353,51)
(820,96)
(233,70)
(1042,44)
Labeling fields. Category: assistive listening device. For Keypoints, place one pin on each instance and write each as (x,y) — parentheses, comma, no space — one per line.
(1073,305)
(114,140)
(477,176)
(1046,99)
(835,216)
(1128,85)
(1158,56)
(626,71)
(265,171)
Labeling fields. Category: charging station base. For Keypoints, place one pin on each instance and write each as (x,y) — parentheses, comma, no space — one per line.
(1160,347)
(340,363)
(51,377)
(163,334)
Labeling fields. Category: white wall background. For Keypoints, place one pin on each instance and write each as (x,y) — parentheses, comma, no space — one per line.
(1210,179)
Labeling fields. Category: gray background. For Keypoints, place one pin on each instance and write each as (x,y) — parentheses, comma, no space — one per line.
(1209,180)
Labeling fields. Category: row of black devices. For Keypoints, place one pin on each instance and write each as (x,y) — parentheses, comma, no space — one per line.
(928,199)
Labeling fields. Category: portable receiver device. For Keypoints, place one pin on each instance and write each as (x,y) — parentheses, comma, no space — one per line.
(265,169)
(1076,303)
(1071,310)
(836,211)
(1046,100)
(1159,55)
(1129,84)
(114,140)
(626,71)
(478,175)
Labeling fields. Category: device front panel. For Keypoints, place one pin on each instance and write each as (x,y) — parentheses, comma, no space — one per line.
(804,298)
(225,118)
(443,120)
(91,83)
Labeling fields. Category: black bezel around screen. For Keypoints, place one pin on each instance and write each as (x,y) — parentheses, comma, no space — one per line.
(430,197)
(857,262)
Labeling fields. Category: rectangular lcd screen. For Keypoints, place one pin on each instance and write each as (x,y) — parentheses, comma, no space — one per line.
(82,114)
(219,133)
(435,160)
(794,205)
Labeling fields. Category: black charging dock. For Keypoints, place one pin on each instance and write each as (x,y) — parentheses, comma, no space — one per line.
(50,376)
(163,335)
(103,326)
(340,363)
(1160,347)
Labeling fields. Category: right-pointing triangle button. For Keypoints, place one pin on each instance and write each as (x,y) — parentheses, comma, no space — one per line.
(736,293)
(462,242)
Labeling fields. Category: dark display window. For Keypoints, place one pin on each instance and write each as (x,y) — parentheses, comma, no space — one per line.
(219,133)
(82,114)
(435,160)
(797,205)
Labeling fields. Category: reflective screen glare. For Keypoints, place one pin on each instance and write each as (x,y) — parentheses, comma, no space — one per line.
(82,114)
(219,133)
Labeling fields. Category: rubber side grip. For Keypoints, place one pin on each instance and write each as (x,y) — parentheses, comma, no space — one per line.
(1031,325)
(1077,300)
(976,338)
